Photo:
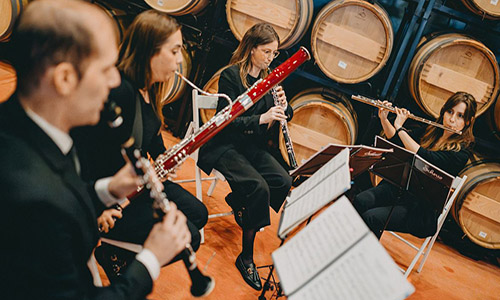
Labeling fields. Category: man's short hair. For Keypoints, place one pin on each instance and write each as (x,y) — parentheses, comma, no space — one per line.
(45,36)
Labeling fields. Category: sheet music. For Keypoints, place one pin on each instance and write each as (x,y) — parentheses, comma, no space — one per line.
(365,272)
(326,170)
(317,245)
(329,189)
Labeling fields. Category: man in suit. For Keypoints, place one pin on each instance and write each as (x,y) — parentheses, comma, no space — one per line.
(65,54)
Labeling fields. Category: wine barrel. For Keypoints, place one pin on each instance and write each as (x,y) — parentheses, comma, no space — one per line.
(449,63)
(175,86)
(212,86)
(8,81)
(488,9)
(319,117)
(120,18)
(351,40)
(477,207)
(290,18)
(178,7)
(9,11)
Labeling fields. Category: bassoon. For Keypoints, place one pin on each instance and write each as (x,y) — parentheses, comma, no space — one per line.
(176,155)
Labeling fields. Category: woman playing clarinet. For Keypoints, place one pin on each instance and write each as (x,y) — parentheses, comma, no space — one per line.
(444,149)
(149,56)
(240,151)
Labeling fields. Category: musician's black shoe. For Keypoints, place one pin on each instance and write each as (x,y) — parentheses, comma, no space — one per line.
(249,273)
(113,260)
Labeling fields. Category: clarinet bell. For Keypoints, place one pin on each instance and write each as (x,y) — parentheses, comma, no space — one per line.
(203,285)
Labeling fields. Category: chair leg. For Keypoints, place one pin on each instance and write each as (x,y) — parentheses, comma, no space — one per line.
(212,187)
(417,256)
(92,264)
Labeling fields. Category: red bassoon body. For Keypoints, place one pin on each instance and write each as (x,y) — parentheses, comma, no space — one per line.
(174,156)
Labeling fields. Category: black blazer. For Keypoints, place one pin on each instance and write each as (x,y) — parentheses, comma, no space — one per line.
(48,221)
(245,130)
(99,146)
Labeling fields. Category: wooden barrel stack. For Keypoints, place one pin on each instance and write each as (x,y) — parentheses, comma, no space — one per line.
(449,63)
(319,118)
(488,9)
(178,7)
(9,11)
(120,18)
(290,18)
(351,40)
(477,207)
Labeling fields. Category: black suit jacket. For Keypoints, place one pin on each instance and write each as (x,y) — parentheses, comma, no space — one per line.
(245,130)
(48,221)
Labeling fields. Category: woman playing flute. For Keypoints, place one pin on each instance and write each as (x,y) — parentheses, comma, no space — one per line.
(444,149)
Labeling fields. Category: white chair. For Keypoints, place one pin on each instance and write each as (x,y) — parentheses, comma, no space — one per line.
(426,246)
(203,102)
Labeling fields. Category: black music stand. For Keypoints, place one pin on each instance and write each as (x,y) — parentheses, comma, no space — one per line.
(361,158)
(411,173)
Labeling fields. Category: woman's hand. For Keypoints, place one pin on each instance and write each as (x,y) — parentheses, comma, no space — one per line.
(402,116)
(106,220)
(275,113)
(382,112)
(281,97)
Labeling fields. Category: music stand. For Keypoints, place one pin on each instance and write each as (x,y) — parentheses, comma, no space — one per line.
(411,173)
(327,184)
(361,158)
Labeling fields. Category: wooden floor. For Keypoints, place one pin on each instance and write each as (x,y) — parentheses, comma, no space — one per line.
(446,275)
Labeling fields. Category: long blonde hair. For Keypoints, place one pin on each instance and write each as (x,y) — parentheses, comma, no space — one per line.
(258,34)
(143,39)
(455,142)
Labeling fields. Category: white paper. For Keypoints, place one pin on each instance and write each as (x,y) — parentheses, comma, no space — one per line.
(365,272)
(342,158)
(317,245)
(326,191)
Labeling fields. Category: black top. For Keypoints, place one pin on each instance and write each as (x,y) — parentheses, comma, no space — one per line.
(48,222)
(450,161)
(99,146)
(245,130)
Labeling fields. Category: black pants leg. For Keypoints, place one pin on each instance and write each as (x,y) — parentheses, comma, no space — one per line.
(138,220)
(374,206)
(257,181)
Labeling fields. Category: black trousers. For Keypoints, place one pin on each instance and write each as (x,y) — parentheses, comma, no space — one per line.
(410,215)
(257,181)
(138,220)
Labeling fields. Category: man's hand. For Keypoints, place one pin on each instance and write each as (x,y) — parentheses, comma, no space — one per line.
(168,237)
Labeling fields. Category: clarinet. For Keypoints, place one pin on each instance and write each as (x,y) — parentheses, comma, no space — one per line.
(286,133)
(201,285)
(175,156)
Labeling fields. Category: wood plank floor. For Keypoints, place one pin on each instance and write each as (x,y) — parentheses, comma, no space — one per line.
(446,275)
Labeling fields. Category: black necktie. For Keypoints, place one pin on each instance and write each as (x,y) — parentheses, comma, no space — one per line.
(74,157)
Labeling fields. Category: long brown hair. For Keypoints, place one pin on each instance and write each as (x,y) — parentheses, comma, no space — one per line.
(258,34)
(455,142)
(143,39)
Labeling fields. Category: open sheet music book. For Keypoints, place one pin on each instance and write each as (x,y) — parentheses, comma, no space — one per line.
(414,174)
(328,183)
(361,158)
(337,257)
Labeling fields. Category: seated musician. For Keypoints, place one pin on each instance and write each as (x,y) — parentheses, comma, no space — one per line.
(149,55)
(239,152)
(64,54)
(446,150)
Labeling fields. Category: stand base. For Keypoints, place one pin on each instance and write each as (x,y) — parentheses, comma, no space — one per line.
(270,285)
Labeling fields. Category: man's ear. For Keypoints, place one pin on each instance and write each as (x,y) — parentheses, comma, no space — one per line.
(65,78)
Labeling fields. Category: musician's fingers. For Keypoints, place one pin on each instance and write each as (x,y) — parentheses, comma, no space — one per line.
(170,217)
(116,213)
